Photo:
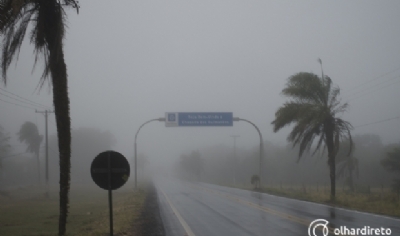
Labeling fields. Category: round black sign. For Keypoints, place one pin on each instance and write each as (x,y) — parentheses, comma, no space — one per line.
(110,162)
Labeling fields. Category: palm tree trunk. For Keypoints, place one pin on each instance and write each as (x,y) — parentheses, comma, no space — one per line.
(331,157)
(332,175)
(61,105)
(58,70)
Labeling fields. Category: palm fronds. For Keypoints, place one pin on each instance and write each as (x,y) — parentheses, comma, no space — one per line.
(48,28)
(29,134)
(313,102)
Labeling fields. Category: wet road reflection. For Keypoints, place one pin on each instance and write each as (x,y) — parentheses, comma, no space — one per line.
(214,210)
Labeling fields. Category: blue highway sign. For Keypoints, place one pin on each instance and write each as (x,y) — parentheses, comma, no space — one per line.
(175,119)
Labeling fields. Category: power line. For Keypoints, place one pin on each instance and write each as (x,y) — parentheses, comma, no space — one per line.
(379,121)
(16,104)
(373,79)
(374,86)
(24,98)
(370,92)
(19,100)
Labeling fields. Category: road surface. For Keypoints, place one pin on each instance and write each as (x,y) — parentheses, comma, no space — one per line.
(200,209)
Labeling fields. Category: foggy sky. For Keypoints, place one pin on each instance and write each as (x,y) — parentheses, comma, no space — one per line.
(131,61)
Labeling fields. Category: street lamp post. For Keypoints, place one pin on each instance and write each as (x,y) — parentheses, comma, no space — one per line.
(261,142)
(234,158)
(137,132)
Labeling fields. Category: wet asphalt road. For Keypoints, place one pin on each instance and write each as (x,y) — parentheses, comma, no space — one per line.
(199,209)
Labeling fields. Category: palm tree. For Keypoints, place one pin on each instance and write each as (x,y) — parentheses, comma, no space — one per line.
(313,108)
(347,165)
(29,134)
(47,18)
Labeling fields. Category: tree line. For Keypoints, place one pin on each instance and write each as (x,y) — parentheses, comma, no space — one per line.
(362,169)
(28,168)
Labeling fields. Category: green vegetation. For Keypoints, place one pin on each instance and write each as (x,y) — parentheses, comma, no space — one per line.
(28,212)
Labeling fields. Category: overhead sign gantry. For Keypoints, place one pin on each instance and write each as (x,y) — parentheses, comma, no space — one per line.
(199,119)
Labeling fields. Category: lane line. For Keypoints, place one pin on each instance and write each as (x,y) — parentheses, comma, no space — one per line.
(185,226)
(259,207)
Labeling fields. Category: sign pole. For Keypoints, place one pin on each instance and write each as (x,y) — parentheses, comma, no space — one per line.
(261,145)
(110,170)
(110,194)
(136,169)
(136,135)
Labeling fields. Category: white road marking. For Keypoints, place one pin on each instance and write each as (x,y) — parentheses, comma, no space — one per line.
(312,203)
(185,226)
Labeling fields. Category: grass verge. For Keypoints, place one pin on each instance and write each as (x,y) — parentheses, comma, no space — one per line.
(28,212)
(377,201)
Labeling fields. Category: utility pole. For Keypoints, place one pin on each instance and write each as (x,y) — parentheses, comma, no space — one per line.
(46,113)
(234,157)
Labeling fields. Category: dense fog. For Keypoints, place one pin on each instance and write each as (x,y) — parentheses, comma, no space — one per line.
(153,57)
